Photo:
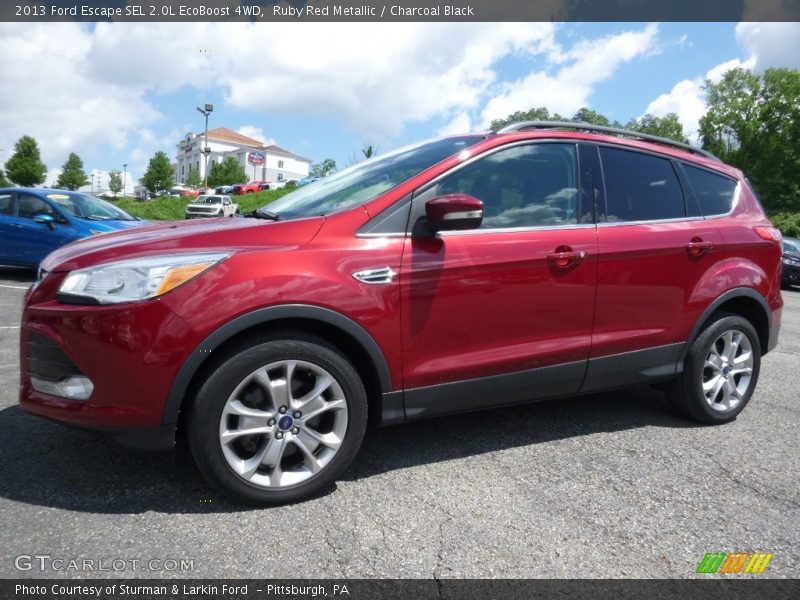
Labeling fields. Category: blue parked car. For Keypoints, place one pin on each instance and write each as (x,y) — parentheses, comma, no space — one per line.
(34,222)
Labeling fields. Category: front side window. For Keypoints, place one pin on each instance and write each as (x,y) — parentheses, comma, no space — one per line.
(714,193)
(534,185)
(30,206)
(640,187)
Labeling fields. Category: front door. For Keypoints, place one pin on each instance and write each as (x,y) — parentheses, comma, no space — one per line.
(502,313)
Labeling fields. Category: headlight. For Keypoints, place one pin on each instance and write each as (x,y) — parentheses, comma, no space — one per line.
(791,261)
(136,279)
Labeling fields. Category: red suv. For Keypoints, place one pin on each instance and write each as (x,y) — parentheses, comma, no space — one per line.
(469,272)
(247,188)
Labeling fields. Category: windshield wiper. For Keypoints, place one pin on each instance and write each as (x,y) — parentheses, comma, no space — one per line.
(263,214)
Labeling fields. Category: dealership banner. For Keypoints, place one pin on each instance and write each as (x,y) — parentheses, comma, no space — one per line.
(416,589)
(405,10)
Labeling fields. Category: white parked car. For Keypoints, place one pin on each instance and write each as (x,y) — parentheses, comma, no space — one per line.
(212,205)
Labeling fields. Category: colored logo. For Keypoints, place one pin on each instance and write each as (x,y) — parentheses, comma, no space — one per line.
(256,158)
(737,562)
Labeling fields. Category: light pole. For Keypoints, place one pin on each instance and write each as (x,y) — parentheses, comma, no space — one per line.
(124,177)
(93,182)
(206,150)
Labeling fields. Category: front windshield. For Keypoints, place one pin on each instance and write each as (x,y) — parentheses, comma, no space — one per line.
(367,180)
(208,200)
(89,207)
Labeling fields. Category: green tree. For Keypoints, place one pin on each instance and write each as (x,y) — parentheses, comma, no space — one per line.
(753,122)
(3,181)
(668,126)
(368,152)
(115,182)
(193,178)
(159,175)
(584,115)
(587,115)
(25,167)
(72,175)
(534,114)
(228,172)
(323,169)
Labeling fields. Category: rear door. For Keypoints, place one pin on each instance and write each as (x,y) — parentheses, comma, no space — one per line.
(656,272)
(492,316)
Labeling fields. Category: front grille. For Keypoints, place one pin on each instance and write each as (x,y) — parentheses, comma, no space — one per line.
(48,361)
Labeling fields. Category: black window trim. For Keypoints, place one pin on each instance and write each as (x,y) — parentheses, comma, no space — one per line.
(667,157)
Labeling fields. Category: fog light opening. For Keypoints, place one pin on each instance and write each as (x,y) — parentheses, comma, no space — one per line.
(78,387)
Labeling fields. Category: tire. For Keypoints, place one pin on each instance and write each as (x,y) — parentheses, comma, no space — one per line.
(287,457)
(726,359)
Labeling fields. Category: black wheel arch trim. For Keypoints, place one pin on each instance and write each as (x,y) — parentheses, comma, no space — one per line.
(742,292)
(266,315)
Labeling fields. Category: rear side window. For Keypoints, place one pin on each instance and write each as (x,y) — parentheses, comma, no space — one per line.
(640,187)
(714,193)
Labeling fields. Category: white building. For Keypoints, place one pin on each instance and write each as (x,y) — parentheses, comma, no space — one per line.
(278,164)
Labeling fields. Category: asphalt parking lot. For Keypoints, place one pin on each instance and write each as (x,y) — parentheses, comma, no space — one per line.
(611,485)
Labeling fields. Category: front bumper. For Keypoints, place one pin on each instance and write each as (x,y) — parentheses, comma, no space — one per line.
(130,353)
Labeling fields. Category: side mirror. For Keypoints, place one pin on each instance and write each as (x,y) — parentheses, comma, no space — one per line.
(454,212)
(45,219)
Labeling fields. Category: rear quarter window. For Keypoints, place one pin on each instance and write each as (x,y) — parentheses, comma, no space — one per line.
(714,192)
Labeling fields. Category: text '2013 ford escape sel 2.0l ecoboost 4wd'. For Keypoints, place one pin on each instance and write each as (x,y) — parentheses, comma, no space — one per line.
(467,272)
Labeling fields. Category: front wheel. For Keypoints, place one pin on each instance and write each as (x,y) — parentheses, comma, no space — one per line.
(720,372)
(278,421)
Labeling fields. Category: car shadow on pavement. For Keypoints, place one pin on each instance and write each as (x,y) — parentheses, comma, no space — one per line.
(17,274)
(47,464)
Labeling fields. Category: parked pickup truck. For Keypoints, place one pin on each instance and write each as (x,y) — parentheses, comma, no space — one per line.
(212,206)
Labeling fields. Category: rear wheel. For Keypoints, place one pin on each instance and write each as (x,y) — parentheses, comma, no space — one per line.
(278,421)
(720,372)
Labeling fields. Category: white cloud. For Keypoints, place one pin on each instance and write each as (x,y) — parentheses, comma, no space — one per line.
(583,66)
(771,44)
(56,100)
(461,123)
(687,98)
(256,133)
(79,87)
(765,44)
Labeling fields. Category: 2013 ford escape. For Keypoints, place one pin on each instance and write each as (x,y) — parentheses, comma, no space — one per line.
(463,273)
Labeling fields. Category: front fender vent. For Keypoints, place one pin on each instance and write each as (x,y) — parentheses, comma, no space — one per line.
(380,276)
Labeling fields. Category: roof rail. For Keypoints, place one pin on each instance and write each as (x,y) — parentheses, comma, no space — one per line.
(583,126)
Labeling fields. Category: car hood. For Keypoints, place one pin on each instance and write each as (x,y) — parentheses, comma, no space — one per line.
(203,205)
(792,255)
(175,237)
(112,225)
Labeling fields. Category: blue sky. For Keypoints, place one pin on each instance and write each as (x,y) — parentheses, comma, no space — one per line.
(117,92)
